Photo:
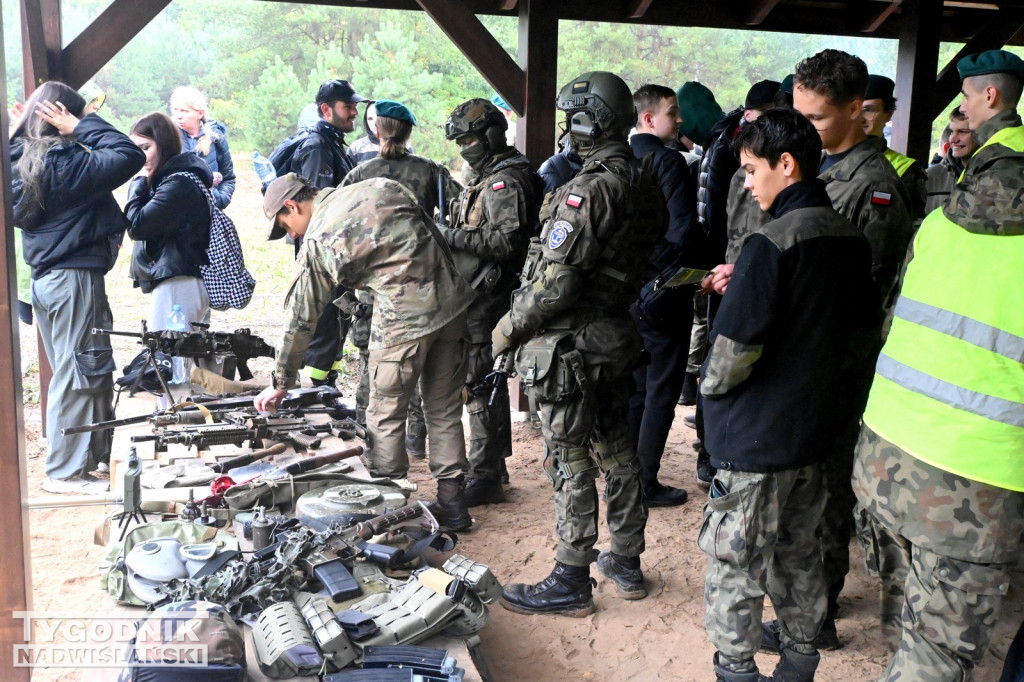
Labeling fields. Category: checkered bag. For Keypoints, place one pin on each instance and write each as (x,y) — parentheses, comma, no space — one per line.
(228,283)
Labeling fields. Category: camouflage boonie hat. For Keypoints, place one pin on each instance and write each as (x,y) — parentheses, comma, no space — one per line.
(473,116)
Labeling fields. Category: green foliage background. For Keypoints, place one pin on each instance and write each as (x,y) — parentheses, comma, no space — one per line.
(260,62)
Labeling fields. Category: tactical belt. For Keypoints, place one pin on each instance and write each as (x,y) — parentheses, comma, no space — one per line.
(617,452)
(567,462)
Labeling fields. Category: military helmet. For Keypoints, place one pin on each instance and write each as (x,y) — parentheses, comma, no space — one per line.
(476,116)
(599,104)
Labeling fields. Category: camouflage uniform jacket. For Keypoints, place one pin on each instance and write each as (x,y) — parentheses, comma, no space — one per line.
(417,174)
(371,236)
(497,216)
(744,216)
(599,230)
(913,178)
(866,190)
(798,312)
(941,178)
(949,514)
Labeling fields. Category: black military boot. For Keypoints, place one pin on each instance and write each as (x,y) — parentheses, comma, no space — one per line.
(688,397)
(450,508)
(705,472)
(624,572)
(661,495)
(415,447)
(771,640)
(723,674)
(794,667)
(567,591)
(480,492)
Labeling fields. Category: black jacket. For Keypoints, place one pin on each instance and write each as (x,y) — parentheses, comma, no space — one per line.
(684,242)
(170,222)
(798,322)
(717,166)
(321,157)
(79,224)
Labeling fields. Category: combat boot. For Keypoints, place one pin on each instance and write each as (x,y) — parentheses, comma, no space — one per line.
(415,447)
(794,667)
(705,472)
(723,674)
(567,591)
(450,508)
(480,492)
(625,573)
(688,396)
(771,639)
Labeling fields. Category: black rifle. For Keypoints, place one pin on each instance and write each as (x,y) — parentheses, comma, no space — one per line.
(504,366)
(319,399)
(240,344)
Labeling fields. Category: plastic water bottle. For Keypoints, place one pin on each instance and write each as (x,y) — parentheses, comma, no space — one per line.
(176,322)
(264,169)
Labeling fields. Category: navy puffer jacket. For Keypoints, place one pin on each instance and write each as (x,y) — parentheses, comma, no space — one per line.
(218,159)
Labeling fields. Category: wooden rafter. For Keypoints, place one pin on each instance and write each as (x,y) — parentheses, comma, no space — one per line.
(758,11)
(483,51)
(104,37)
(878,16)
(507,5)
(538,40)
(916,60)
(41,42)
(638,8)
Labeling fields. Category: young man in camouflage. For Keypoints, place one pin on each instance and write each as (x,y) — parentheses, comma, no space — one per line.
(577,346)
(865,189)
(795,301)
(938,474)
(373,235)
(942,176)
(496,218)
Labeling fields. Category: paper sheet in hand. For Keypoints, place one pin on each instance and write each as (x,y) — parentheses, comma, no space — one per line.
(685,276)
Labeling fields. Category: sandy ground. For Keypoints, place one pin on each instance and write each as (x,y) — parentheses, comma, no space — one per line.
(659,638)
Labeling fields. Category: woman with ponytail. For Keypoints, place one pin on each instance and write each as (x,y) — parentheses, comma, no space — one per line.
(205,137)
(65,165)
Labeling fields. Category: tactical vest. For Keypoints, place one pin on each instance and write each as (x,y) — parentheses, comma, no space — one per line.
(899,162)
(949,384)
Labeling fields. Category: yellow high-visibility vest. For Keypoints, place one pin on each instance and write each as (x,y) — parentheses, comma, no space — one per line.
(899,162)
(949,384)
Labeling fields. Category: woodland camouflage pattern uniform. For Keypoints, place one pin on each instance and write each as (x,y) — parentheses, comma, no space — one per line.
(420,176)
(497,216)
(373,236)
(942,543)
(580,345)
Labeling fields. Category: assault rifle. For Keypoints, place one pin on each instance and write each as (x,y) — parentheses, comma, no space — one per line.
(504,366)
(240,344)
(236,427)
(314,400)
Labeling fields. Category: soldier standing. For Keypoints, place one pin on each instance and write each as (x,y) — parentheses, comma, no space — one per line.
(497,216)
(938,472)
(373,236)
(579,346)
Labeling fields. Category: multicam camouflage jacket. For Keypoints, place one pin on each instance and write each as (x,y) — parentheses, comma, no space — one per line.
(866,190)
(419,175)
(371,235)
(989,199)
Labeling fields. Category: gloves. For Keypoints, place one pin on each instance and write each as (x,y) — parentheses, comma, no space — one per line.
(503,336)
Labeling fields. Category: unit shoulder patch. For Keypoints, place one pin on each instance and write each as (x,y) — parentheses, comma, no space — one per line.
(560,232)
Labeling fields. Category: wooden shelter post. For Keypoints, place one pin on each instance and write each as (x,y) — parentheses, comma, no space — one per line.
(916,65)
(538,58)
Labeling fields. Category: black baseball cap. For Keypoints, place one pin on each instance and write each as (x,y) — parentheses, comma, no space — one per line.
(335,90)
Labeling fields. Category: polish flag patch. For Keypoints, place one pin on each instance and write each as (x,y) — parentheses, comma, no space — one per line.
(881,198)
(500,184)
(574,200)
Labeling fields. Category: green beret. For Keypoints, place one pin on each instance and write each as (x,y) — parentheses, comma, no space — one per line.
(991,61)
(787,84)
(699,111)
(879,87)
(393,109)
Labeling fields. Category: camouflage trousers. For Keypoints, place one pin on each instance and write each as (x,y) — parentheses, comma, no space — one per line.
(698,334)
(415,426)
(490,426)
(761,538)
(942,546)
(437,363)
(594,418)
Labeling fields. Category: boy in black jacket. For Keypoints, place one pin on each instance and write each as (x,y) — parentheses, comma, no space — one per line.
(797,315)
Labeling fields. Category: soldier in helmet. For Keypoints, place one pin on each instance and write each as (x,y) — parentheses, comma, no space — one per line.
(374,236)
(577,346)
(497,216)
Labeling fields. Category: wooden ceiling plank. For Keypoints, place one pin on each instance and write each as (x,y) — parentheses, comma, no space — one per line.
(507,5)
(105,36)
(638,8)
(879,15)
(483,51)
(758,11)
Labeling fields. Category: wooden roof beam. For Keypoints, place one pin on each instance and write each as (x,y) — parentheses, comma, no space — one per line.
(758,11)
(507,5)
(483,51)
(106,36)
(877,17)
(41,42)
(1004,25)
(638,8)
